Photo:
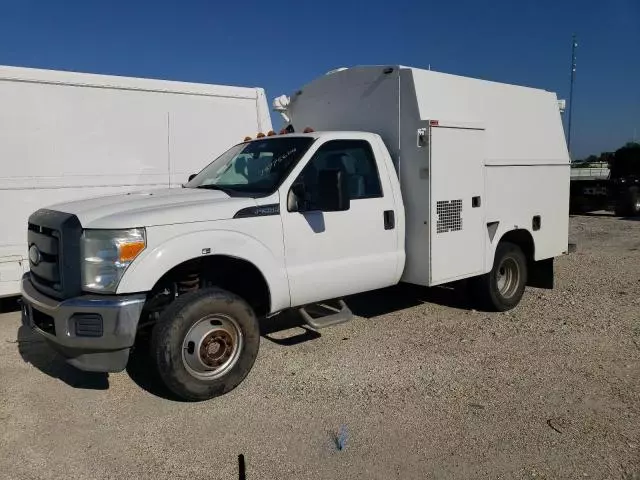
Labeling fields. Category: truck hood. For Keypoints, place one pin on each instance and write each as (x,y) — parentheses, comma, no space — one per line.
(154,207)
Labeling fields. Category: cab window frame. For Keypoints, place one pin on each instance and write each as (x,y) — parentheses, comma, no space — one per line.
(344,145)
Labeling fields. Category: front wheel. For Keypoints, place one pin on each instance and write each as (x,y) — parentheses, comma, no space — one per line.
(205,343)
(502,288)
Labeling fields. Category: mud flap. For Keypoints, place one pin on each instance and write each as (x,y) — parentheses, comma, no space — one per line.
(541,274)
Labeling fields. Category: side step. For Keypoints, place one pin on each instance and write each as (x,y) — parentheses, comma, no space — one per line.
(321,315)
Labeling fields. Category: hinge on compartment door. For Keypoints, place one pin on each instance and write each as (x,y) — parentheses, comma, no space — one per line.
(423,138)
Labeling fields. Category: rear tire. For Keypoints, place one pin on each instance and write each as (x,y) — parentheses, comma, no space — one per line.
(205,343)
(502,288)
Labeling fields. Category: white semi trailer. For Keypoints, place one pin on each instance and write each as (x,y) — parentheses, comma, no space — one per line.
(66,136)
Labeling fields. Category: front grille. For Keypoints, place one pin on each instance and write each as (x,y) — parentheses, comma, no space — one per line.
(54,253)
(47,269)
(40,229)
(39,281)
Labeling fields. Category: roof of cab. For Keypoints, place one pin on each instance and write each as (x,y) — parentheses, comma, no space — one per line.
(314,134)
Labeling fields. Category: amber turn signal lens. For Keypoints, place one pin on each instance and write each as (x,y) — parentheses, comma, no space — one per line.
(129,251)
(260,135)
(246,139)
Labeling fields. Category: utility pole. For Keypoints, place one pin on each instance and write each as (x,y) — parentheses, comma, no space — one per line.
(574,45)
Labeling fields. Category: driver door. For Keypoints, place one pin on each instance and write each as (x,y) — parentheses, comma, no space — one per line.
(334,254)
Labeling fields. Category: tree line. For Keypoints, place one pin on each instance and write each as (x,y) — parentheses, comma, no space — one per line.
(630,151)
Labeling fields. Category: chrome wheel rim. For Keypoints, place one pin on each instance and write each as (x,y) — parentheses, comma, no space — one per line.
(212,346)
(508,277)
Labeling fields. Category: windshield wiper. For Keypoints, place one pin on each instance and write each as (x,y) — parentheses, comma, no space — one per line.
(227,190)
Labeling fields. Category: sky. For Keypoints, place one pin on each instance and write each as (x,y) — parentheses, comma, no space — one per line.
(280,46)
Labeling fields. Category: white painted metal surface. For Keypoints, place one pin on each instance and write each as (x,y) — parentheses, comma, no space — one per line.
(333,254)
(523,125)
(434,154)
(257,240)
(154,207)
(457,229)
(523,160)
(66,136)
(515,194)
(304,257)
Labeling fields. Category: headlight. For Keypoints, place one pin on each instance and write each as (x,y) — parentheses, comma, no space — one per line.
(106,254)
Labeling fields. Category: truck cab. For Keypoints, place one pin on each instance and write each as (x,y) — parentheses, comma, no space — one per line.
(298,220)
(268,225)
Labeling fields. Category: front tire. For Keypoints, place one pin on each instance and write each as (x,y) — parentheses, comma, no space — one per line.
(205,343)
(502,288)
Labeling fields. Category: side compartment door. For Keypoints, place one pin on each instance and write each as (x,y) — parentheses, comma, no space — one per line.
(457,203)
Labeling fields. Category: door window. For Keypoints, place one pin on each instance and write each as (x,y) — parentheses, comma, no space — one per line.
(354,157)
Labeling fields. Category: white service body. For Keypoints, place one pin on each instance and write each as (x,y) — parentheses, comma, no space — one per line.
(66,136)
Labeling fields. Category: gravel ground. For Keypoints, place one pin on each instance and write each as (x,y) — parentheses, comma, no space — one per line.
(424,386)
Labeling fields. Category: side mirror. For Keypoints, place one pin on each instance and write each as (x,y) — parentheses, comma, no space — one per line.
(333,191)
(192,176)
(296,200)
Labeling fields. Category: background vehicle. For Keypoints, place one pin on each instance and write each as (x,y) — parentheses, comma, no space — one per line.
(615,187)
(624,180)
(66,136)
(414,176)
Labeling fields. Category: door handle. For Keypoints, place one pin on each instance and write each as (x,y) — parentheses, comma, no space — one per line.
(389,220)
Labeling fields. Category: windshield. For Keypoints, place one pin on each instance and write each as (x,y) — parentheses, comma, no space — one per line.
(256,167)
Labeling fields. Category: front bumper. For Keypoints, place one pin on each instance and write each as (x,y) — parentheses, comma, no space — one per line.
(94,332)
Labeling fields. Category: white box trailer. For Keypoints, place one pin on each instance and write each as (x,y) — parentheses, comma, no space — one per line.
(67,136)
(476,159)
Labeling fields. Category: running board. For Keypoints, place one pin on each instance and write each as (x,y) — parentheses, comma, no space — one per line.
(321,315)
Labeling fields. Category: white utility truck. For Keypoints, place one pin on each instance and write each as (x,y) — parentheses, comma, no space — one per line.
(410,175)
(66,136)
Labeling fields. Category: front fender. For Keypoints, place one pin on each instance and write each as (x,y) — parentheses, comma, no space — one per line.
(157,260)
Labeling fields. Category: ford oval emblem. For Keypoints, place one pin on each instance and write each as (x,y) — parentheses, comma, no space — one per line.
(34,255)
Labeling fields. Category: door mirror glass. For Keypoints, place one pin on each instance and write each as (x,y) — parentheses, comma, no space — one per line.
(333,191)
(192,176)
